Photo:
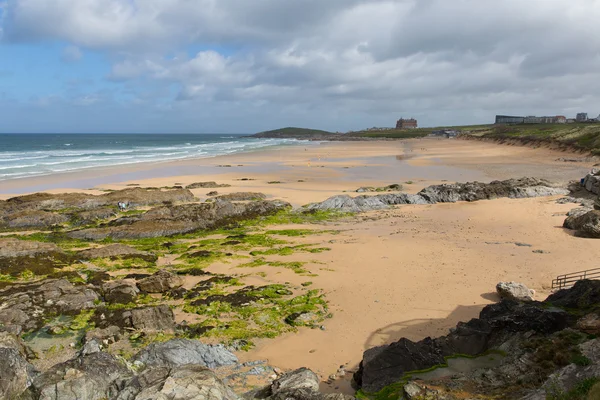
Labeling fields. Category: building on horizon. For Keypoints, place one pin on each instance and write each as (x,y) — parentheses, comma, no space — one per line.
(514,120)
(560,119)
(508,120)
(406,123)
(581,117)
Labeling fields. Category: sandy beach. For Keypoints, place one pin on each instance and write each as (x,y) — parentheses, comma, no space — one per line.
(412,271)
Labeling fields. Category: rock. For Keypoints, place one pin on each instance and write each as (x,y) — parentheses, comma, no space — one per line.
(23,307)
(92,216)
(412,391)
(584,296)
(206,185)
(18,256)
(10,247)
(178,352)
(186,218)
(116,251)
(33,219)
(148,319)
(161,282)
(591,182)
(384,365)
(242,196)
(189,382)
(579,211)
(447,193)
(302,378)
(589,324)
(213,193)
(586,225)
(302,319)
(110,334)
(514,291)
(90,347)
(91,377)
(16,373)
(120,291)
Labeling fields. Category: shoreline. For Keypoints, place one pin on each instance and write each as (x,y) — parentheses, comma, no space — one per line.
(410,271)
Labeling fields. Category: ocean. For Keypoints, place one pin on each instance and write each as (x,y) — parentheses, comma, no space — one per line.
(26,155)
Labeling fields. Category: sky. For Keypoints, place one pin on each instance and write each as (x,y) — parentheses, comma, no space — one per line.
(241,66)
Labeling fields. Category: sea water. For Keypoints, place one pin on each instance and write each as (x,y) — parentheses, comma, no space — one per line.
(26,155)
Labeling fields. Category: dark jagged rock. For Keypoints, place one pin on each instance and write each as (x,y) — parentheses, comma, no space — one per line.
(120,291)
(585,225)
(23,307)
(583,296)
(447,193)
(95,376)
(178,352)
(186,218)
(384,365)
(16,373)
(116,251)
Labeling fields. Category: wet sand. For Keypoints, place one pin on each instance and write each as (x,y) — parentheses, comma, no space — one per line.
(412,271)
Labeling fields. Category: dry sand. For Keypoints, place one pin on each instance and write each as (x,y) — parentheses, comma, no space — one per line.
(413,271)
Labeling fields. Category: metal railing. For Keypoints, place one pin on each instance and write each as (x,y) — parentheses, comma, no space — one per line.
(568,280)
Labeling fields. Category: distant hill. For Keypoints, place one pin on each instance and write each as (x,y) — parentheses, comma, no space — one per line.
(295,133)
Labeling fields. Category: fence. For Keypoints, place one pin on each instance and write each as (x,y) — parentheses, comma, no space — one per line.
(568,280)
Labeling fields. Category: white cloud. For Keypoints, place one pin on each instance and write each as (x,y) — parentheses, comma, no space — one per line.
(71,54)
(336,63)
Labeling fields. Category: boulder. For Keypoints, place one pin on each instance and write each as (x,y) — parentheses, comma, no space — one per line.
(16,373)
(185,218)
(514,291)
(120,291)
(206,185)
(586,225)
(115,251)
(242,196)
(161,282)
(23,307)
(589,324)
(17,256)
(96,376)
(178,352)
(302,378)
(188,382)
(591,182)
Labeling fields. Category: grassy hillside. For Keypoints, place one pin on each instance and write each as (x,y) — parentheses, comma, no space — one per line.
(411,133)
(581,136)
(292,132)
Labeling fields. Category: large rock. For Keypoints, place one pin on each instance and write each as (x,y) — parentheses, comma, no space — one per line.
(447,193)
(115,251)
(120,291)
(148,319)
(186,218)
(384,365)
(16,373)
(161,282)
(92,377)
(592,181)
(44,210)
(188,382)
(24,307)
(514,291)
(178,352)
(301,384)
(585,225)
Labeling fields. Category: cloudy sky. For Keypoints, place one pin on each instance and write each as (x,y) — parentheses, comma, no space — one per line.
(251,65)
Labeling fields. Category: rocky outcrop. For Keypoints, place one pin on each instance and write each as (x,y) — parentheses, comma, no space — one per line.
(242,196)
(301,384)
(16,373)
(585,224)
(95,376)
(390,188)
(172,220)
(45,210)
(382,366)
(188,382)
(116,251)
(23,307)
(206,185)
(120,291)
(447,193)
(514,291)
(18,256)
(146,319)
(161,282)
(179,352)
(591,181)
